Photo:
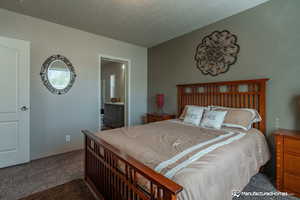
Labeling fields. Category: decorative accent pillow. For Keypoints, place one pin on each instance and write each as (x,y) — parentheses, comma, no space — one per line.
(239,117)
(193,115)
(213,119)
(182,115)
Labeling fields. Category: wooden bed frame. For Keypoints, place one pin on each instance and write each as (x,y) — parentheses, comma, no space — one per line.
(108,182)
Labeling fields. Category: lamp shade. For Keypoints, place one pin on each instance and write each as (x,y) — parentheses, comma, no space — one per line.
(160,100)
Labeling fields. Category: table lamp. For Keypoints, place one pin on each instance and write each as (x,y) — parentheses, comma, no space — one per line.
(160,102)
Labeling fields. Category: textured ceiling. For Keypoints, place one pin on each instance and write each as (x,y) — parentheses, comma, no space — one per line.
(142,22)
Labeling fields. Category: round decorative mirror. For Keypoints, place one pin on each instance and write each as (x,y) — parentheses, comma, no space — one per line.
(58,74)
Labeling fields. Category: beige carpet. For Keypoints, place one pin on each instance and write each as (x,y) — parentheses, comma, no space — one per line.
(23,180)
(74,190)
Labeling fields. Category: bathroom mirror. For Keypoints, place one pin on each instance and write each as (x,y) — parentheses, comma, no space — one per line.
(58,74)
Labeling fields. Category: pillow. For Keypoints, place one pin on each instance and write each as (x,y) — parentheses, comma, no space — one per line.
(213,119)
(193,115)
(239,117)
(182,115)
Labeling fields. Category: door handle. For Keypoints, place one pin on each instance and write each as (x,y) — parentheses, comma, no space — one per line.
(24,108)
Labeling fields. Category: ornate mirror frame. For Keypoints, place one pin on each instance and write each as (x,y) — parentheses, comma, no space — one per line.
(44,74)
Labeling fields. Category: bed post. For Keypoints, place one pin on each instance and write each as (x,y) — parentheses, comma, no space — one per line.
(262,105)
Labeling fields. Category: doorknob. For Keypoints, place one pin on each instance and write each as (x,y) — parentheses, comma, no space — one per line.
(24,108)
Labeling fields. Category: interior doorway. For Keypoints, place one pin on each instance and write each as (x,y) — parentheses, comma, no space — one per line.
(114,93)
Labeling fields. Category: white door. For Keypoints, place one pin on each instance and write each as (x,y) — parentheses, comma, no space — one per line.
(14,101)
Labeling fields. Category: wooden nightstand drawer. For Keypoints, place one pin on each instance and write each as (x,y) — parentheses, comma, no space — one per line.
(292,164)
(292,145)
(154,119)
(291,183)
(158,117)
(288,161)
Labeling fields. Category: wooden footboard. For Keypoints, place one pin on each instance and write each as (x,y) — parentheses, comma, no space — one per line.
(114,175)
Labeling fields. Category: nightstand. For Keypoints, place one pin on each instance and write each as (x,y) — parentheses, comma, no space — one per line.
(154,117)
(287,144)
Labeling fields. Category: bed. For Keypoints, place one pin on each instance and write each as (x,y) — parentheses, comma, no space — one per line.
(143,162)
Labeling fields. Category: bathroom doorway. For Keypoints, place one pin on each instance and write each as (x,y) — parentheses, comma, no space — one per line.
(114,92)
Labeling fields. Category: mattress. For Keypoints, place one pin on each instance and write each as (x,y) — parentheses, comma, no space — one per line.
(210,164)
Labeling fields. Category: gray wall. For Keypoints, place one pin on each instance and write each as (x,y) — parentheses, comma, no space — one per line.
(108,69)
(269,37)
(52,117)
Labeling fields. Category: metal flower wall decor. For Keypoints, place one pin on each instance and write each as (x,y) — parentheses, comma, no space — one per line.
(217,52)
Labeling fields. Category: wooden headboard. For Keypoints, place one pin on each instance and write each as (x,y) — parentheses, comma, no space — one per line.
(235,94)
